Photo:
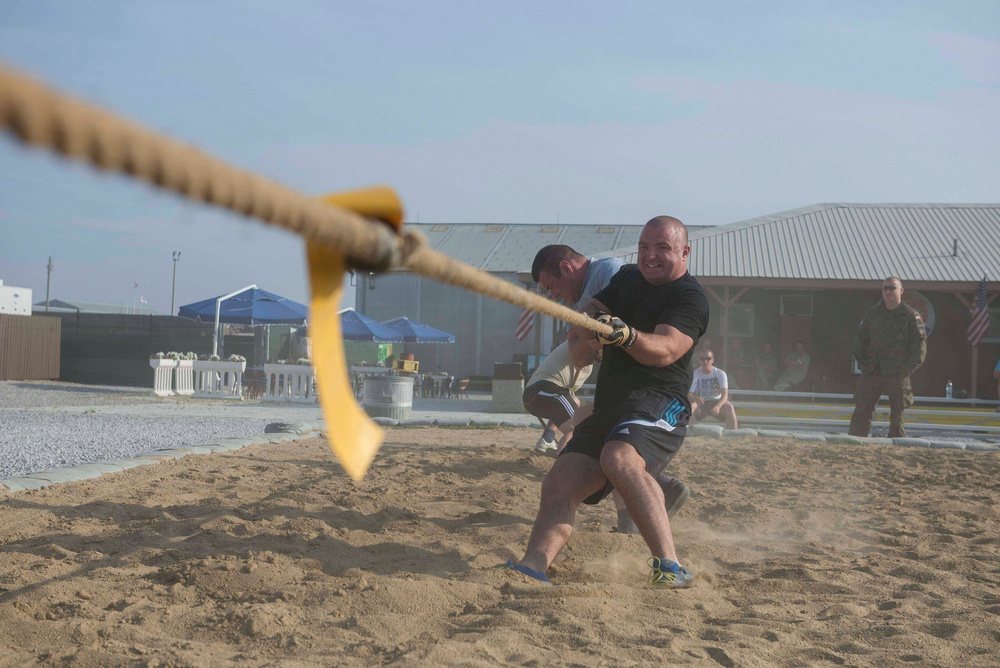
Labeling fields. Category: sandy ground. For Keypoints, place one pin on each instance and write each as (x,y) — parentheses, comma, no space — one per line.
(808,554)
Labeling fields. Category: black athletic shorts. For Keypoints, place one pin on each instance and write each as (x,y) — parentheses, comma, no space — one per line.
(653,423)
(549,401)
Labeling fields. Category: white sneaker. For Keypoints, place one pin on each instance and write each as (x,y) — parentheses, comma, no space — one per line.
(547,441)
(545,446)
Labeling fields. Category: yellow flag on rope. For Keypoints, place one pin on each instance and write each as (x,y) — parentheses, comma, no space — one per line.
(353,437)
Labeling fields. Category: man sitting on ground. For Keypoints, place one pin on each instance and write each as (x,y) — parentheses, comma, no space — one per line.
(709,394)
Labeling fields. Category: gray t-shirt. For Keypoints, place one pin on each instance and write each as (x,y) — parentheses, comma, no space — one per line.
(599,274)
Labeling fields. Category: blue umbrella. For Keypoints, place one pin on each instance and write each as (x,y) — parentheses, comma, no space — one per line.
(252,306)
(359,327)
(249,306)
(418,332)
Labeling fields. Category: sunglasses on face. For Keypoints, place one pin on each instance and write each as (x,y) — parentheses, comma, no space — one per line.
(889,288)
(706,359)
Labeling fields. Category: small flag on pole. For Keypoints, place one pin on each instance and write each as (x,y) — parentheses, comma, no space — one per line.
(980,312)
(524,324)
(142,300)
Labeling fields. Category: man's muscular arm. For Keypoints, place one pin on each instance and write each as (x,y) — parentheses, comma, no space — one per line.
(664,346)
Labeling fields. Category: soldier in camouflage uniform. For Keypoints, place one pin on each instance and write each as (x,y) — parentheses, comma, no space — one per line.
(890,344)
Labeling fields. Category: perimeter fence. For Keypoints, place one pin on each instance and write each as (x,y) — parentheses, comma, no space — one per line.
(29,347)
(114,349)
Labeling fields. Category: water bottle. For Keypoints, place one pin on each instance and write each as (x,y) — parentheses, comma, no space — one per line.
(947,390)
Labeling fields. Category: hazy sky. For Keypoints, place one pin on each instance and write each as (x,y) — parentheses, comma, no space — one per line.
(489,112)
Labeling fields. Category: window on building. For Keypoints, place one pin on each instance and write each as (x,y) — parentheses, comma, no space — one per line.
(796,305)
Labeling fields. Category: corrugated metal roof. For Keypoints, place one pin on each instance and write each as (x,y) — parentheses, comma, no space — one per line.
(865,242)
(856,242)
(74,306)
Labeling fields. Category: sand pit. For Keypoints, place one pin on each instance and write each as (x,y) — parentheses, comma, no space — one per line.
(809,554)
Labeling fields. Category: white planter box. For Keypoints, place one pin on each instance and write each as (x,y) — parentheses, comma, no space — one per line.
(163,372)
(290,382)
(184,378)
(218,380)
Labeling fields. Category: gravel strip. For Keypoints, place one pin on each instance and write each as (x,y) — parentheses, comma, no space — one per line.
(52,394)
(46,425)
(32,441)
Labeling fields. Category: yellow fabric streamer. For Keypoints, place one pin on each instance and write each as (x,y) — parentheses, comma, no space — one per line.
(354,439)
(378,202)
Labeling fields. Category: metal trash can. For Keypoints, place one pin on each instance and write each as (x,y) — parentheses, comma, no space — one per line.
(389,396)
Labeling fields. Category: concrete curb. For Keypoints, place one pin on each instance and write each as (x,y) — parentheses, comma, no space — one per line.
(845,438)
(735,433)
(771,433)
(912,442)
(709,430)
(950,445)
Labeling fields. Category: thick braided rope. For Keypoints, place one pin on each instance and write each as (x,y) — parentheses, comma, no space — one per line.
(42,117)
(432,264)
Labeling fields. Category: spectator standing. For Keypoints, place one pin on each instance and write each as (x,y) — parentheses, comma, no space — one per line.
(889,346)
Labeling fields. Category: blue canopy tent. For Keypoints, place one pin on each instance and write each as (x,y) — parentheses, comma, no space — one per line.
(418,332)
(359,327)
(247,306)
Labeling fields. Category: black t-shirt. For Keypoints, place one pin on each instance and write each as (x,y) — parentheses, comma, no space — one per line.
(682,304)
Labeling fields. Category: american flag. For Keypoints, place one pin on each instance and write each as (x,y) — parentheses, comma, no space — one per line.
(524,324)
(980,323)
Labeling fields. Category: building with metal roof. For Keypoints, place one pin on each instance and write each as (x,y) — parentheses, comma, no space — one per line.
(810,274)
(807,274)
(79,306)
(951,245)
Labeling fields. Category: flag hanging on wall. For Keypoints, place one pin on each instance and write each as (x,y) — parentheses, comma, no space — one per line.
(524,324)
(980,323)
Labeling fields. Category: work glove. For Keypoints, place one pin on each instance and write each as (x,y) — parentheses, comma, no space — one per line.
(623,335)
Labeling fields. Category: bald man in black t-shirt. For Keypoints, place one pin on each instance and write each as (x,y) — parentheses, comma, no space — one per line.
(658,311)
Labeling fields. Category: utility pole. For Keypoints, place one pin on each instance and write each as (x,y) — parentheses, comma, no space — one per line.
(48,283)
(173,290)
